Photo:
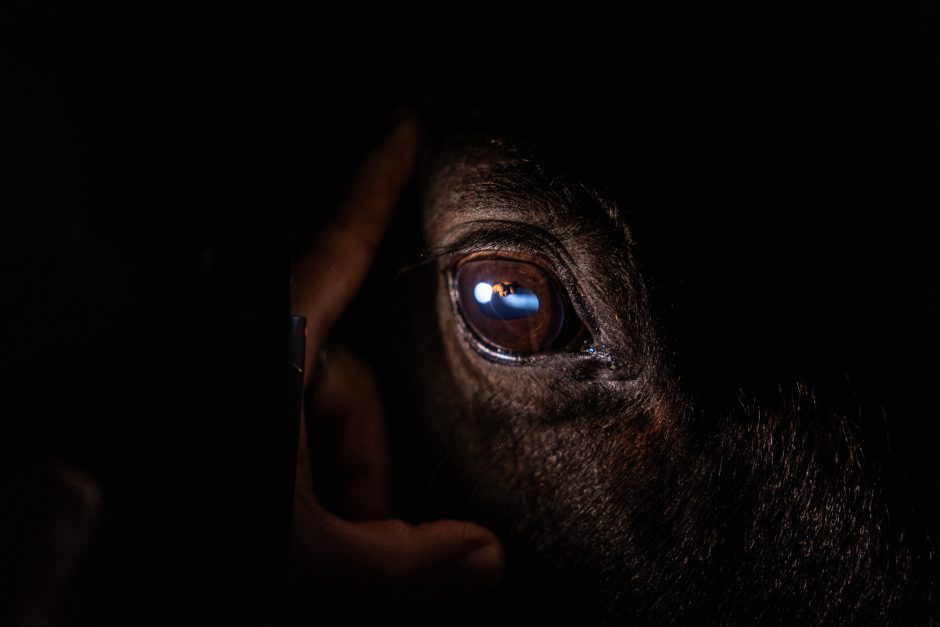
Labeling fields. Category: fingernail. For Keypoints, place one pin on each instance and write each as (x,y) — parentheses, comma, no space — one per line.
(486,563)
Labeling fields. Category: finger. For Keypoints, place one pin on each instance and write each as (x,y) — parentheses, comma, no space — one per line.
(430,559)
(51,520)
(350,438)
(409,561)
(328,275)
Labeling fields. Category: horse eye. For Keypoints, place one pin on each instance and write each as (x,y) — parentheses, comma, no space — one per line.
(513,306)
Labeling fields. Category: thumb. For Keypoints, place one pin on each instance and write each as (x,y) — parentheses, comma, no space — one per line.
(412,561)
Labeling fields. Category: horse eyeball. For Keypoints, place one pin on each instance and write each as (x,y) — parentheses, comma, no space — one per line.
(512,306)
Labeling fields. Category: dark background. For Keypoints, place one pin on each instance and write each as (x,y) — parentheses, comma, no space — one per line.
(160,164)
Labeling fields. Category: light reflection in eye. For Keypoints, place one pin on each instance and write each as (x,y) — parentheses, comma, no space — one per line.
(511,305)
(483,292)
(512,300)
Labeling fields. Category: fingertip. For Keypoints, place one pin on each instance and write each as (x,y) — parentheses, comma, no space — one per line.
(478,559)
(405,125)
(484,559)
(83,490)
(486,564)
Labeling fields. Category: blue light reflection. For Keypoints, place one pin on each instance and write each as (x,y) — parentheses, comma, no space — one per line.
(505,301)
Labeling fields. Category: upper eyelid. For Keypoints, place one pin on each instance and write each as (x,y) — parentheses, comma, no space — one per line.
(503,235)
(491,235)
(483,235)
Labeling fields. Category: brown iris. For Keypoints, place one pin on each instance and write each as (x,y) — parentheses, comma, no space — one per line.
(513,306)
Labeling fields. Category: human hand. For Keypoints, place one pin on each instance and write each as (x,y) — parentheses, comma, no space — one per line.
(366,551)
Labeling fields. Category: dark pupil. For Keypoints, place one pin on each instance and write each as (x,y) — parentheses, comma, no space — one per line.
(505,301)
(511,305)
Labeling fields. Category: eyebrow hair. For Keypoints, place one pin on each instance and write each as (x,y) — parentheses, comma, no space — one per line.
(523,189)
(507,235)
